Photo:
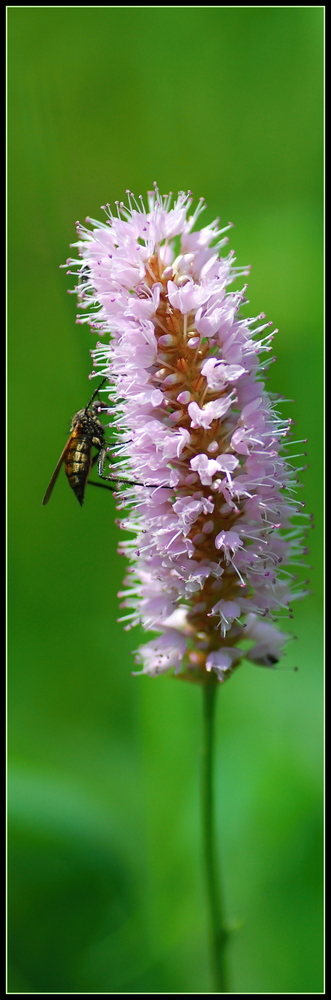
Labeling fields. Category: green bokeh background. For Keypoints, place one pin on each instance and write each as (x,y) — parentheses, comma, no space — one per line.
(106,890)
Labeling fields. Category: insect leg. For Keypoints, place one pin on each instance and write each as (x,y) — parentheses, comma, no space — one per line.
(134,482)
(102,486)
(101,462)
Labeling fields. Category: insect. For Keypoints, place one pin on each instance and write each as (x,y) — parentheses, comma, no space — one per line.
(86,432)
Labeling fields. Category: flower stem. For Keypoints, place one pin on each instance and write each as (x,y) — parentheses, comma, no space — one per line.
(218,933)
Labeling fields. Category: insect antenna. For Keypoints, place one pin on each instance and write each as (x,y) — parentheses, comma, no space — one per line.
(95,394)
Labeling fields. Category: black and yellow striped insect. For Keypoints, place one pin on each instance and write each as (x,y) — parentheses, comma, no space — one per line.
(86,433)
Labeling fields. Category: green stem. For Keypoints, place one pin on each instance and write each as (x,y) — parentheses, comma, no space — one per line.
(218,933)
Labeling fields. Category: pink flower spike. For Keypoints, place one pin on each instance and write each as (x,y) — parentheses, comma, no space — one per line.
(209,494)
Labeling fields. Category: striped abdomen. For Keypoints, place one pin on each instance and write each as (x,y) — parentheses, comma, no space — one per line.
(78,461)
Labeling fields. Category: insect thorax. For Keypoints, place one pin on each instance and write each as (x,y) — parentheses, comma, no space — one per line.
(89,426)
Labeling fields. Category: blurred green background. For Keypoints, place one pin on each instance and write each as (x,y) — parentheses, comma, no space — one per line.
(106,891)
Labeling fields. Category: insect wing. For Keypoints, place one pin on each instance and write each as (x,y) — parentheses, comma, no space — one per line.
(55,474)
